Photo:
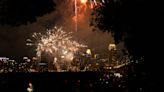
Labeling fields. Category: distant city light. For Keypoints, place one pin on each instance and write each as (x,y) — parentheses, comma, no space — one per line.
(88,51)
(112,47)
(4,58)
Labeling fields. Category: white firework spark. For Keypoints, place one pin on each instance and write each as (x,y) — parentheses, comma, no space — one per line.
(57,41)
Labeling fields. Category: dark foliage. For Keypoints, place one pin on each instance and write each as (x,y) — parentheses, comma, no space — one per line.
(16,12)
(128,21)
(139,24)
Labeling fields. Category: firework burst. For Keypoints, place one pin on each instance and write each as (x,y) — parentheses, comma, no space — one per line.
(91,3)
(80,9)
(57,43)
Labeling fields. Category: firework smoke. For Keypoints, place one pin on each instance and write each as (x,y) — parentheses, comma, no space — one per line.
(80,8)
(58,44)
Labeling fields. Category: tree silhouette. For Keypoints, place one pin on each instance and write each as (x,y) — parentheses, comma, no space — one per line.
(127,20)
(138,23)
(16,12)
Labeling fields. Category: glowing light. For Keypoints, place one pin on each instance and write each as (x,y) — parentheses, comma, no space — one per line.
(88,51)
(112,47)
(69,56)
(30,88)
(56,40)
(83,1)
(81,6)
(30,84)
(118,75)
(75,17)
(58,43)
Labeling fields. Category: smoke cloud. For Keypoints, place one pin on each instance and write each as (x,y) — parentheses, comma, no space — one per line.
(62,17)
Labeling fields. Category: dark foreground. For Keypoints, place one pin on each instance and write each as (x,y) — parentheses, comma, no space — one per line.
(137,78)
(76,82)
(45,82)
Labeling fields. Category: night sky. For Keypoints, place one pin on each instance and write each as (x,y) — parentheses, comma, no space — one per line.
(19,19)
(25,18)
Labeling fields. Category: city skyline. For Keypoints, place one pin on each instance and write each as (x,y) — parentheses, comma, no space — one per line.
(13,38)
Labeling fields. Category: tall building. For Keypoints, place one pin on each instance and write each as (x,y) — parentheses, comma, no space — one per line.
(43,63)
(46,61)
(112,53)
